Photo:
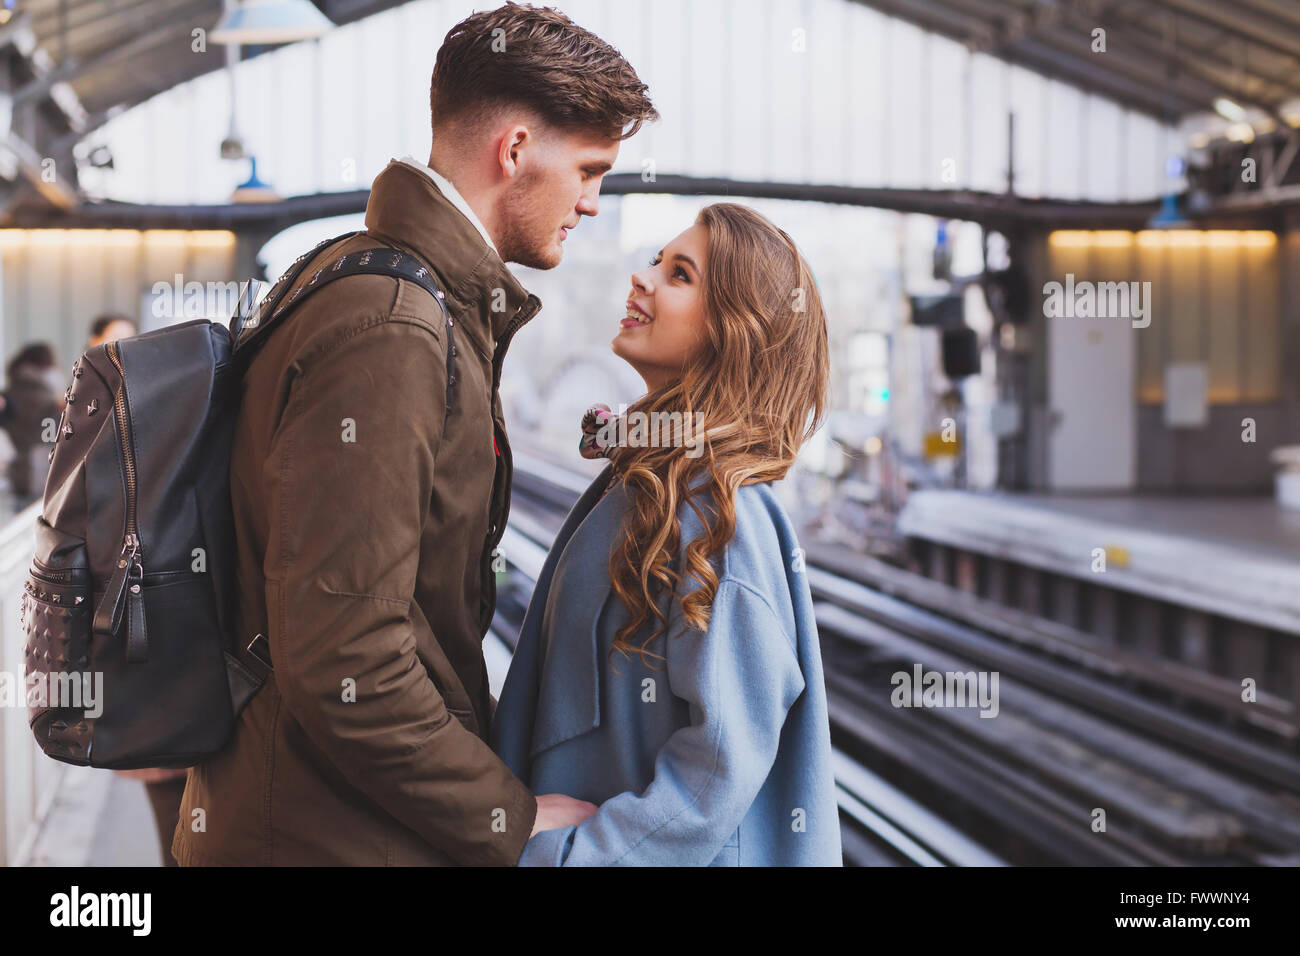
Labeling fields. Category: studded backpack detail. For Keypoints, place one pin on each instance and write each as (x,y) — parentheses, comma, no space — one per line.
(128,608)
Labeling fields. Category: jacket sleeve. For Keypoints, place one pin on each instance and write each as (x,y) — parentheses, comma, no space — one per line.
(740,678)
(350,477)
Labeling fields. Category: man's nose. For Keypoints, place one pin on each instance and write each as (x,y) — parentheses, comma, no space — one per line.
(589,204)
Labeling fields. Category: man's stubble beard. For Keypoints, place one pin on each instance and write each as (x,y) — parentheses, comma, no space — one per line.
(526,235)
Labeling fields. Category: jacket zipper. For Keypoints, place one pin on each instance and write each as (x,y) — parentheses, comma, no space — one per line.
(130,561)
(497,531)
(498,359)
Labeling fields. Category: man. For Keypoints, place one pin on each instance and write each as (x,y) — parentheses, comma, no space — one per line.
(369,496)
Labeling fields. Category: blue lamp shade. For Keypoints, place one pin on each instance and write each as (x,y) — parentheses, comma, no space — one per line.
(253,189)
(1168,216)
(270,21)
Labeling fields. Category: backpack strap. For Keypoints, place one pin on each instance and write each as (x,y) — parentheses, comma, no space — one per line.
(250,331)
(244,322)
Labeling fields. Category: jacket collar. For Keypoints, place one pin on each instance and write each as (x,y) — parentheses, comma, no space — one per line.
(448,189)
(407,206)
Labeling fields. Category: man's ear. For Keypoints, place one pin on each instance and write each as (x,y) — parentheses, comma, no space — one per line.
(510,145)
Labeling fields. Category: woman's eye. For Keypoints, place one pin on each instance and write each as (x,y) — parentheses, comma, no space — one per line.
(685,275)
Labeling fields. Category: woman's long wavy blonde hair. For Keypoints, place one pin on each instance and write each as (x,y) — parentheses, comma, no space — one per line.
(761,384)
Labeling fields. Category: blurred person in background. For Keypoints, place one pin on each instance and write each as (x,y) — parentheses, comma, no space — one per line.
(33,405)
(110,327)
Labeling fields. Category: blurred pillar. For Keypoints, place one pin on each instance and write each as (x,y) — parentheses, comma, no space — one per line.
(1289,267)
(247,246)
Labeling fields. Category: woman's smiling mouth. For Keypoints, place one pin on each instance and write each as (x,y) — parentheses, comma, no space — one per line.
(635,316)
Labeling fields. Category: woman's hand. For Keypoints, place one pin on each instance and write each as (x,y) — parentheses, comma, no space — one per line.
(555,810)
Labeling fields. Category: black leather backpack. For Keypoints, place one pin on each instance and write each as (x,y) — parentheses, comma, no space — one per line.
(131,659)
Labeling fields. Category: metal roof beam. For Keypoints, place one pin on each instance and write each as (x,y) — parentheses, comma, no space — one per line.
(94,10)
(1223,17)
(997,209)
(128,21)
(1018,43)
(107,54)
(1052,62)
(1201,60)
(936,17)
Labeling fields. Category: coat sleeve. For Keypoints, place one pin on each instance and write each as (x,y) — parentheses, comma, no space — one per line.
(350,473)
(740,678)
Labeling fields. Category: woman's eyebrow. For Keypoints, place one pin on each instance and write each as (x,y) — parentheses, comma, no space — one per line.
(685,258)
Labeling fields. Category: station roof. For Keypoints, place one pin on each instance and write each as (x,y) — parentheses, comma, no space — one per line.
(1162,57)
(1166,58)
(117,53)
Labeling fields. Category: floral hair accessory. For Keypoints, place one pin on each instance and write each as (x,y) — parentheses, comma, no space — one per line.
(590,445)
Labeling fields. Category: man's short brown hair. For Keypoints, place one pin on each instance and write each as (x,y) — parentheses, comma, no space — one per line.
(536,57)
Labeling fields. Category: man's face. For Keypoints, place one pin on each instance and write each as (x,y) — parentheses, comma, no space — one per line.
(557,183)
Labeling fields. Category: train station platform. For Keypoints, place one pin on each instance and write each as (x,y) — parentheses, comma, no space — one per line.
(1237,558)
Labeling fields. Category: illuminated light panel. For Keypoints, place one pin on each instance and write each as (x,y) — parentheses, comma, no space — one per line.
(1070,239)
(1219,237)
(203,238)
(1159,238)
(215,238)
(165,237)
(1240,133)
(1112,238)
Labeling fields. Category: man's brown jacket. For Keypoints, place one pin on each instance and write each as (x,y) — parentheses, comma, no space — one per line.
(366,517)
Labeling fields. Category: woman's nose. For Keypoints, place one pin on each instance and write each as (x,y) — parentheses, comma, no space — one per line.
(640,283)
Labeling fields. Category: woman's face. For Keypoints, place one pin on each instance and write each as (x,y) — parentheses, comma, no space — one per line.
(665,323)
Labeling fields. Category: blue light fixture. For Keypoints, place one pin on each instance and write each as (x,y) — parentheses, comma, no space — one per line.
(1168,216)
(253,189)
(256,22)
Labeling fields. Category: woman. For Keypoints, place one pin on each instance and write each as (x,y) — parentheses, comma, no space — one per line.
(668,667)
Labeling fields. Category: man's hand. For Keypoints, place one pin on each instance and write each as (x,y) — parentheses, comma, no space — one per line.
(559,810)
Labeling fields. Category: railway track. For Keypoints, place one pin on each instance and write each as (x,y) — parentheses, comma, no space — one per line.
(1075,769)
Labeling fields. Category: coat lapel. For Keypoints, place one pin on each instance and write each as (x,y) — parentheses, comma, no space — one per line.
(513,724)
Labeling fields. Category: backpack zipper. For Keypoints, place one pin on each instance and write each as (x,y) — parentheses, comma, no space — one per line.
(129,561)
(66,576)
(124,428)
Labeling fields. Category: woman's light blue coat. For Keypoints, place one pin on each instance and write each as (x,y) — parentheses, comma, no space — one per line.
(722,759)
